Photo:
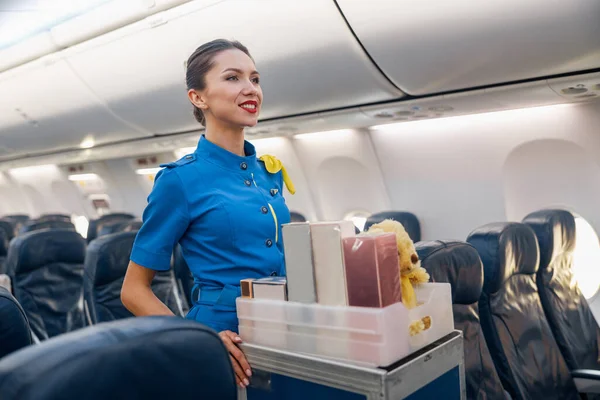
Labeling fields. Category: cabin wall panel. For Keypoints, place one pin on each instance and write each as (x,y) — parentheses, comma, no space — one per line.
(450,172)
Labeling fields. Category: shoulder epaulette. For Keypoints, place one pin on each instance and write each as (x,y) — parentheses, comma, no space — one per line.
(182,161)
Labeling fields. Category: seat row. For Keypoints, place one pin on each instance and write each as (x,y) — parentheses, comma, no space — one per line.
(529,332)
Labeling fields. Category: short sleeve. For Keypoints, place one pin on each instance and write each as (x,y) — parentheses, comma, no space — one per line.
(165,220)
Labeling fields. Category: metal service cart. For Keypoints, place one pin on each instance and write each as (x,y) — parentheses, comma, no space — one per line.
(435,372)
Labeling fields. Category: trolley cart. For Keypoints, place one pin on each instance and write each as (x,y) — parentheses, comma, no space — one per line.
(434,372)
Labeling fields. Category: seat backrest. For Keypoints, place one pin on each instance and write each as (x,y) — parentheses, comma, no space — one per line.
(106,263)
(14,327)
(131,225)
(458,264)
(567,310)
(527,358)
(145,358)
(48,224)
(407,219)
(46,268)
(183,276)
(3,250)
(96,225)
(17,221)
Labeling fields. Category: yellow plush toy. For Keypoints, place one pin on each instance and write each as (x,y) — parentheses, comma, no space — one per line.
(411,272)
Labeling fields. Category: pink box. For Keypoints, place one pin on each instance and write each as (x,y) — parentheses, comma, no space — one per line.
(372,272)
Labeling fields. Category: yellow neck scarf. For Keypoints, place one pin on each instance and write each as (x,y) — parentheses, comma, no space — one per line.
(273,166)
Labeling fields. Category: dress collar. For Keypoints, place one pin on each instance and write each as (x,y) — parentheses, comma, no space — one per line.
(226,159)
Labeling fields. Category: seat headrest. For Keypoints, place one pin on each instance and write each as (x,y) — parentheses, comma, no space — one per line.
(149,358)
(407,219)
(456,263)
(49,224)
(4,240)
(96,225)
(54,217)
(14,327)
(297,217)
(39,248)
(555,231)
(108,256)
(506,249)
(8,227)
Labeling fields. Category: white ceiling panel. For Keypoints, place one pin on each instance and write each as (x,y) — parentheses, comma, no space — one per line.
(308,59)
(436,46)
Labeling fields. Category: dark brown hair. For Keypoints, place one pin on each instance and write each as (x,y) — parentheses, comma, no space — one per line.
(201,61)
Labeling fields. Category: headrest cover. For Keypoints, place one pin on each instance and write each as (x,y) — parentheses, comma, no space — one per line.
(48,224)
(40,248)
(454,262)
(506,249)
(107,257)
(150,358)
(555,231)
(408,220)
(96,224)
(54,217)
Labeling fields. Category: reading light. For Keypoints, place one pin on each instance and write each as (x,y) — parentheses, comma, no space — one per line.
(147,171)
(586,258)
(88,142)
(83,177)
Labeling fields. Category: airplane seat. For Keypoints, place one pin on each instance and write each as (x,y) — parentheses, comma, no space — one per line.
(46,269)
(96,225)
(567,310)
(105,266)
(17,222)
(54,217)
(131,225)
(9,228)
(22,218)
(14,327)
(4,241)
(45,225)
(183,275)
(458,263)
(297,217)
(527,358)
(407,219)
(144,358)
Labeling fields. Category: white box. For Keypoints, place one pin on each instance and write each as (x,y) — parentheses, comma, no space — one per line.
(359,335)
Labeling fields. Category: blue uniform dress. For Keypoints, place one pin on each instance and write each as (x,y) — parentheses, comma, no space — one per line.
(226,211)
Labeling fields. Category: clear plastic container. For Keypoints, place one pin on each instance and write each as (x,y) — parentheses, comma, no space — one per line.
(359,335)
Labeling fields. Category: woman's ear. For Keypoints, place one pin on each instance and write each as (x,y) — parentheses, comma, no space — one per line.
(197,99)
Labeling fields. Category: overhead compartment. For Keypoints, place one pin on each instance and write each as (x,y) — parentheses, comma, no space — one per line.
(44,107)
(437,46)
(308,60)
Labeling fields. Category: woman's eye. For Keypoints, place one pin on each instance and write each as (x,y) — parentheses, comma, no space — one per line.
(256,80)
(232,78)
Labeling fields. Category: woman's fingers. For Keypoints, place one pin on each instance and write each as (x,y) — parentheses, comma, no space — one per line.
(238,360)
(240,377)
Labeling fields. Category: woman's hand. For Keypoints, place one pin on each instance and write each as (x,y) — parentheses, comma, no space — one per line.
(238,359)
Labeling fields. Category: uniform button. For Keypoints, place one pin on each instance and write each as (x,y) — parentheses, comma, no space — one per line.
(269,242)
(264,210)
(244,166)
(247,182)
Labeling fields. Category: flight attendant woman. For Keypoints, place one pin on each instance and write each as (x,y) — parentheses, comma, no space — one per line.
(223,205)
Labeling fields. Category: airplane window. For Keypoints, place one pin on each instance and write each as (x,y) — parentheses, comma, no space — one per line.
(586,258)
(359,218)
(81,224)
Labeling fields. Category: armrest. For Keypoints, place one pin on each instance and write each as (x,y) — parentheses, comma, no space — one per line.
(587,380)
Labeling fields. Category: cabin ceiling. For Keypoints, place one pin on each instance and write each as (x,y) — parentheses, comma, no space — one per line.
(325,65)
